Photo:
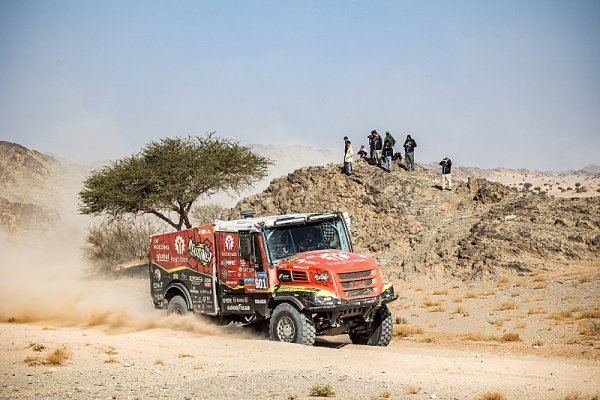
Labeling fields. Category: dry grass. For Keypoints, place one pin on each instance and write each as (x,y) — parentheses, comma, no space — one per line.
(515,293)
(510,337)
(471,295)
(431,303)
(503,281)
(159,362)
(589,314)
(460,310)
(293,396)
(321,390)
(490,292)
(540,285)
(111,351)
(498,323)
(413,390)
(56,357)
(37,347)
(538,343)
(198,367)
(400,320)
(405,331)
(538,310)
(457,299)
(520,325)
(591,328)
(184,355)
(507,305)
(539,278)
(440,292)
(585,279)
(578,396)
(111,360)
(386,394)
(438,309)
(11,320)
(477,337)
(491,396)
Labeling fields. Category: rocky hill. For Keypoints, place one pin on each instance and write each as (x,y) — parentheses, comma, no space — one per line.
(413,227)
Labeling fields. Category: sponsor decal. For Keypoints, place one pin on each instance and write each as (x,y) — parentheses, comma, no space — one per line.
(335,256)
(162,257)
(200,251)
(260,301)
(207,282)
(160,246)
(157,274)
(237,307)
(228,263)
(194,291)
(224,274)
(196,280)
(290,259)
(179,244)
(157,285)
(248,280)
(229,242)
(284,276)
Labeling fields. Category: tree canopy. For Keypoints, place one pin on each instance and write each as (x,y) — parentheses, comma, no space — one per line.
(166,177)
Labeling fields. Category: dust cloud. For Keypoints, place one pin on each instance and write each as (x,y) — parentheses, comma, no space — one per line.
(44,281)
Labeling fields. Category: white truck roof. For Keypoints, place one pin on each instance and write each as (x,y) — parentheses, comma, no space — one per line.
(253,223)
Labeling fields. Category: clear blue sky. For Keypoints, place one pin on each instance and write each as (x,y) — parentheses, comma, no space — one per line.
(490,83)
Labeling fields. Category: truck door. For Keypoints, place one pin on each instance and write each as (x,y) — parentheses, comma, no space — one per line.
(252,262)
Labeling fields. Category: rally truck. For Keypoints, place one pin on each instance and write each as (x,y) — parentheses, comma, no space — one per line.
(295,273)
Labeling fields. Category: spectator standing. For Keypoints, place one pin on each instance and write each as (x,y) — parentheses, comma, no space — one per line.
(371,138)
(348,156)
(446,164)
(388,150)
(378,146)
(409,152)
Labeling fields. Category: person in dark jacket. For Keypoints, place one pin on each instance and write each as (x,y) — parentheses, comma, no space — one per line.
(371,138)
(378,148)
(362,153)
(388,150)
(409,152)
(446,164)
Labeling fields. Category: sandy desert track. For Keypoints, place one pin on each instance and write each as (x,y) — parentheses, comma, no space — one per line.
(194,361)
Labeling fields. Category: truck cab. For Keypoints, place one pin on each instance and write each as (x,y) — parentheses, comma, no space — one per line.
(296,272)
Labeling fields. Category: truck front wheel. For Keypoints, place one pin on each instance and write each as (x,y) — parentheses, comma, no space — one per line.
(376,333)
(177,305)
(289,325)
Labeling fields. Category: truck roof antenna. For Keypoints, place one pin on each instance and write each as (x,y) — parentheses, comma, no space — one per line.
(248,213)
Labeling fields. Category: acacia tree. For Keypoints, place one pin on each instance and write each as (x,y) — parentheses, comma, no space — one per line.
(166,177)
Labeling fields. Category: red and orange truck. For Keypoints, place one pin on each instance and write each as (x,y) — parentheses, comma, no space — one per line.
(296,272)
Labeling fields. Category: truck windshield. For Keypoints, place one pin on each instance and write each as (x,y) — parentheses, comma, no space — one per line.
(284,241)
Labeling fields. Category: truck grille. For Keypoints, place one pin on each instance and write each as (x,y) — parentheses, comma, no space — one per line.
(299,276)
(357,283)
(354,275)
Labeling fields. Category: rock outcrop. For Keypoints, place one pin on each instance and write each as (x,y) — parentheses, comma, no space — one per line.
(411,226)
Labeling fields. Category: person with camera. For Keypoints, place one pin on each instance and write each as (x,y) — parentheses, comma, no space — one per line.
(409,153)
(446,164)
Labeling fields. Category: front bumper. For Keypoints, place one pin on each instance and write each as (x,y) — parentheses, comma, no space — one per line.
(313,302)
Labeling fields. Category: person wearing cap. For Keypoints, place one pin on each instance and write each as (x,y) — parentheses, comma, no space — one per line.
(446,164)
(378,148)
(371,138)
(409,152)
(388,150)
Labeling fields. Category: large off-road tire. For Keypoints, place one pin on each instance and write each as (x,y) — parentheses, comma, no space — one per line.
(289,325)
(378,332)
(178,306)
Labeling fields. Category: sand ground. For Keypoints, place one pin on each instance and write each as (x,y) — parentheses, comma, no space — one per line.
(438,351)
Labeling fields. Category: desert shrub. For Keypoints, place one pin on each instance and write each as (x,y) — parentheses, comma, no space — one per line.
(507,305)
(511,337)
(321,390)
(56,357)
(440,292)
(37,347)
(537,188)
(405,331)
(110,244)
(577,184)
(111,360)
(207,213)
(491,396)
(527,185)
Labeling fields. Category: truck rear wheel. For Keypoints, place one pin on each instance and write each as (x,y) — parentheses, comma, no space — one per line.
(177,305)
(378,332)
(289,325)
